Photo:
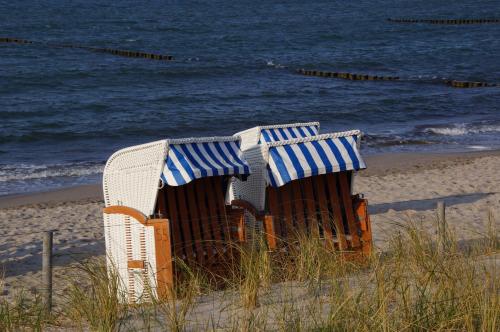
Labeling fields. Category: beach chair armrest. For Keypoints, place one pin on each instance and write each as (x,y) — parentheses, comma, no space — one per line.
(242,204)
(128,211)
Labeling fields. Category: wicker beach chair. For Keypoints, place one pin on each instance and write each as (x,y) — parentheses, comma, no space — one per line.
(304,185)
(165,204)
(262,135)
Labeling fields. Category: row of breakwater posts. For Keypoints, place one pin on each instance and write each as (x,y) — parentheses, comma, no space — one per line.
(347,76)
(362,77)
(124,53)
(163,57)
(446,21)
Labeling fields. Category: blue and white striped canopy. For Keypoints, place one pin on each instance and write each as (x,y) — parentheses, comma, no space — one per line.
(283,133)
(187,161)
(297,159)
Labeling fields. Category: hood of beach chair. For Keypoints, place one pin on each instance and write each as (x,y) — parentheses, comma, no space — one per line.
(286,132)
(305,157)
(132,175)
(190,159)
(274,133)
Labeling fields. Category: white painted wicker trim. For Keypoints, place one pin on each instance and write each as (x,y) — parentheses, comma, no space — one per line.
(314,138)
(291,125)
(203,139)
(251,136)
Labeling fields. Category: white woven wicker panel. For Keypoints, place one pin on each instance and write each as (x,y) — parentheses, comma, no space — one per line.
(131,176)
(116,254)
(138,280)
(253,189)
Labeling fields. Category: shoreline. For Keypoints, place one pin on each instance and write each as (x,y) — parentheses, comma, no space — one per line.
(377,165)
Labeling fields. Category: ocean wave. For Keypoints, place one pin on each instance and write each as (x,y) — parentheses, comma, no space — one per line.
(23,172)
(271,63)
(459,129)
(373,140)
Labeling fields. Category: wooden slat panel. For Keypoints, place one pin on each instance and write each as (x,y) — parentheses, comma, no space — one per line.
(298,204)
(161,203)
(217,183)
(174,222)
(193,205)
(284,196)
(213,218)
(319,186)
(185,223)
(336,207)
(347,202)
(310,204)
(205,221)
(275,210)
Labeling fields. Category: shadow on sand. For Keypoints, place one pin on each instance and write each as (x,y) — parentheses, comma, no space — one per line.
(427,204)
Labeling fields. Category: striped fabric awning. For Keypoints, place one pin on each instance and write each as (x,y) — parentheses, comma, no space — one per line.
(192,159)
(270,134)
(301,158)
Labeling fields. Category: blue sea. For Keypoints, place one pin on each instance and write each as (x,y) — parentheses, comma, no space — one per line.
(63,111)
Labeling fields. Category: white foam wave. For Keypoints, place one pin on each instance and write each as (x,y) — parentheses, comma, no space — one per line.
(462,129)
(24,172)
(478,147)
(271,63)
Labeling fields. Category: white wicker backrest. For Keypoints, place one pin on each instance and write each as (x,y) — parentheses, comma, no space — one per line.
(131,176)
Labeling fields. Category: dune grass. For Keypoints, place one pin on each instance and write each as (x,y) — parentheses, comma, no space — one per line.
(411,286)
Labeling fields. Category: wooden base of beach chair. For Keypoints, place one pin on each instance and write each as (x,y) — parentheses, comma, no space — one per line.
(318,206)
(205,231)
(161,230)
(195,229)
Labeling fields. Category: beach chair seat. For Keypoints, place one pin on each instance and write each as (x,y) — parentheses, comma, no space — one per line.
(167,209)
(304,186)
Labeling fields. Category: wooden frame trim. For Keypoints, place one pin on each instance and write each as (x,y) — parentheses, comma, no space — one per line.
(240,203)
(128,211)
(270,232)
(164,259)
(135,264)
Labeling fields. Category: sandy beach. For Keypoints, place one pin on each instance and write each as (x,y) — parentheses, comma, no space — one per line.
(401,188)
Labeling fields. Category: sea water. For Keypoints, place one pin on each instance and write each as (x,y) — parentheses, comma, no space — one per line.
(63,111)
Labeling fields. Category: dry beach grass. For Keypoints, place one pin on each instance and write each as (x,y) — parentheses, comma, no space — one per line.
(410,287)
(406,285)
